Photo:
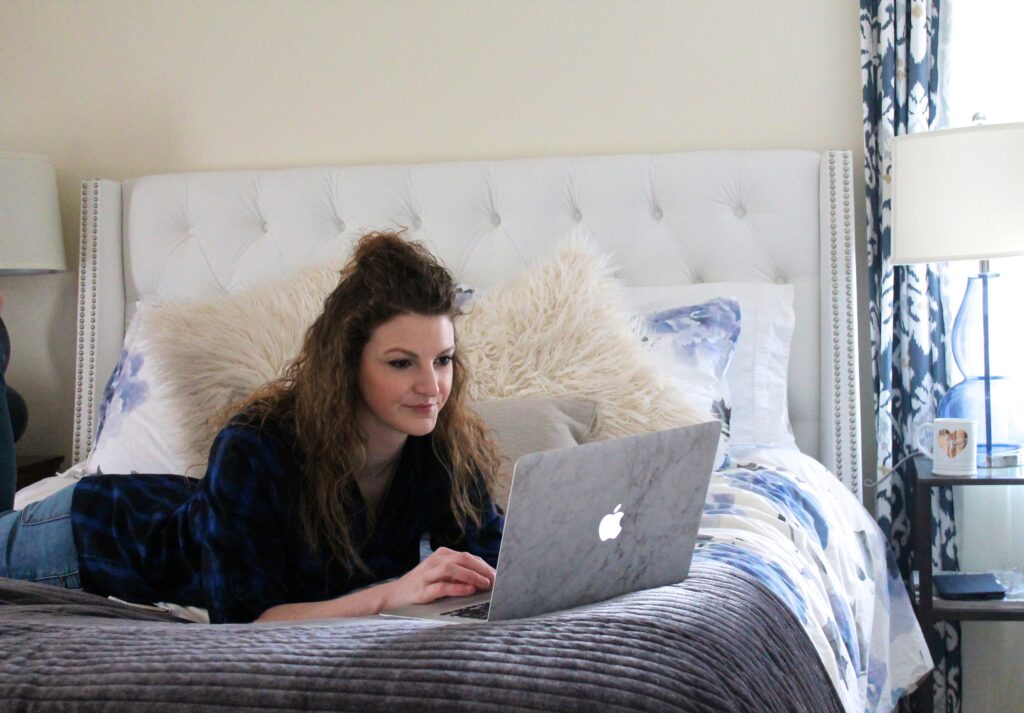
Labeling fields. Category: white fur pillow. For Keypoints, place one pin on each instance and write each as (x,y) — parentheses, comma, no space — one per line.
(562,329)
(209,355)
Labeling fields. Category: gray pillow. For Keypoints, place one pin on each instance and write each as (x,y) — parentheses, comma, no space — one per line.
(530,425)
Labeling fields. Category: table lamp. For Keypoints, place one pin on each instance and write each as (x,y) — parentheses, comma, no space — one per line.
(958,194)
(31,240)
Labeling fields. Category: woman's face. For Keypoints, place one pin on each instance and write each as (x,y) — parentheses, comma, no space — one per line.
(405,375)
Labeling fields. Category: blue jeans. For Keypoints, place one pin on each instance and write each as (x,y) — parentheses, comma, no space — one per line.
(36,544)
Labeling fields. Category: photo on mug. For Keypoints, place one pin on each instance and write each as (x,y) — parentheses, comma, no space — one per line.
(951,443)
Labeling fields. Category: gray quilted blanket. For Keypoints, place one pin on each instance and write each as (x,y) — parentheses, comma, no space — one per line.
(719,641)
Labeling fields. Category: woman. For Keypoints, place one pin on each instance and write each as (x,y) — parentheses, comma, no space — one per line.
(323,483)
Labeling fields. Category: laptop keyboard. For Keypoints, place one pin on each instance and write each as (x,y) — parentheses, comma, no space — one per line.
(473,611)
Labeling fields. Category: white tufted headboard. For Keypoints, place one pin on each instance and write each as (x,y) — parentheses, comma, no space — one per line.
(752,216)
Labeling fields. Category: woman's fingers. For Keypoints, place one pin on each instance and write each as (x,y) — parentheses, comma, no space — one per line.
(455,572)
(464,559)
(461,567)
(437,590)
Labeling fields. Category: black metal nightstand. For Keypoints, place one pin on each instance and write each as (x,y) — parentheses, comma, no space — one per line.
(929,607)
(32,469)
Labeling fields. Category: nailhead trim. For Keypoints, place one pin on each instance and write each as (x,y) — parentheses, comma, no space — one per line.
(844,362)
(851,317)
(834,304)
(85,365)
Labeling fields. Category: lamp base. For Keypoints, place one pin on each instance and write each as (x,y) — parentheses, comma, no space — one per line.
(967,400)
(1000,460)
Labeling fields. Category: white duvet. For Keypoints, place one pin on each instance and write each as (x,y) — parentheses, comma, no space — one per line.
(780,515)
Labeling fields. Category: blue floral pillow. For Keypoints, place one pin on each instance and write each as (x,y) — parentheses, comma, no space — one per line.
(126,390)
(694,345)
(135,418)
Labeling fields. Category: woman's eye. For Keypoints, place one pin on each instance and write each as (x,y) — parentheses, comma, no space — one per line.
(445,360)
(400,363)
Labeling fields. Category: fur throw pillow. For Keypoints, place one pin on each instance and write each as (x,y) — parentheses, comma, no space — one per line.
(562,329)
(215,353)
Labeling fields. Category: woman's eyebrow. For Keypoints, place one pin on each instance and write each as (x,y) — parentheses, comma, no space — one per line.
(407,352)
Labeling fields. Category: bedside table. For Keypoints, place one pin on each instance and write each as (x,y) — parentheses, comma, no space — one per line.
(929,607)
(32,469)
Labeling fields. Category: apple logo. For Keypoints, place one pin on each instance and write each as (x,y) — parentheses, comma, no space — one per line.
(610,526)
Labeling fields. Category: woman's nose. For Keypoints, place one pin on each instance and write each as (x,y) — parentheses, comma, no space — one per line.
(427,383)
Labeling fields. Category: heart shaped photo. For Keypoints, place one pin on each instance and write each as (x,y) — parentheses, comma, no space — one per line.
(952,442)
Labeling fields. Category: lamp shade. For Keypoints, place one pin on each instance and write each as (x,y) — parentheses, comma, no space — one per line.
(31,240)
(958,194)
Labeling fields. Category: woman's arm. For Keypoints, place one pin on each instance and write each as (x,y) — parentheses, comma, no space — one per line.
(445,573)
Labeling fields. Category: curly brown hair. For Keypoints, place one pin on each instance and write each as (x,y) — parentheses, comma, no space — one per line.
(319,393)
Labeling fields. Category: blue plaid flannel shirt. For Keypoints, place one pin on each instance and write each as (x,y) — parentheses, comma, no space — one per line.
(232,542)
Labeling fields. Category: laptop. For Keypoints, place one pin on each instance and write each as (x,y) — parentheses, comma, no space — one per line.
(592,522)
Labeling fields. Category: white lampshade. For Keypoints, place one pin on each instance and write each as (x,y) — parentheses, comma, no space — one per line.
(958,194)
(31,240)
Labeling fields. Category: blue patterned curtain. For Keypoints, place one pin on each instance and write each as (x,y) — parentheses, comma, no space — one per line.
(899,67)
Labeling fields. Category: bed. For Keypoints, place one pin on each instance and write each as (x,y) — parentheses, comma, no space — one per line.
(791,603)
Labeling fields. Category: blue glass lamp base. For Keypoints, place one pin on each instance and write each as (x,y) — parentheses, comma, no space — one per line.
(967,400)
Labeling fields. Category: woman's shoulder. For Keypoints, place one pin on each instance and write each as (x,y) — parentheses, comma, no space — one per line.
(249,444)
(258,421)
(258,430)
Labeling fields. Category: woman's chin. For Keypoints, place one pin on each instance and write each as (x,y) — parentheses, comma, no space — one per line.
(420,427)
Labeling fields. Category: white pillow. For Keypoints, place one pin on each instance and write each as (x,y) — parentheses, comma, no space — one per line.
(757,375)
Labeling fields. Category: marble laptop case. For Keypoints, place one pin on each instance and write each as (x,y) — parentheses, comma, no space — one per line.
(592,522)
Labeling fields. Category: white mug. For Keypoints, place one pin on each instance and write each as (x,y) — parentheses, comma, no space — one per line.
(952,444)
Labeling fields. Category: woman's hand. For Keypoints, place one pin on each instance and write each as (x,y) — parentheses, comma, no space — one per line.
(445,573)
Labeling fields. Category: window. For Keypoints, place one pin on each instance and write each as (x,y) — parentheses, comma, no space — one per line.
(982,61)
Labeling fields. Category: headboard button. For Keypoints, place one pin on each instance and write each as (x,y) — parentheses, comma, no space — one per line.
(577,216)
(495,220)
(740,211)
(658,215)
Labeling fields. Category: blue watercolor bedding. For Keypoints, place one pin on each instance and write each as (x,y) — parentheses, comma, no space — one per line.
(780,516)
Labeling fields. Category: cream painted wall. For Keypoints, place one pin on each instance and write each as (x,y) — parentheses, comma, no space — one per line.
(120,89)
